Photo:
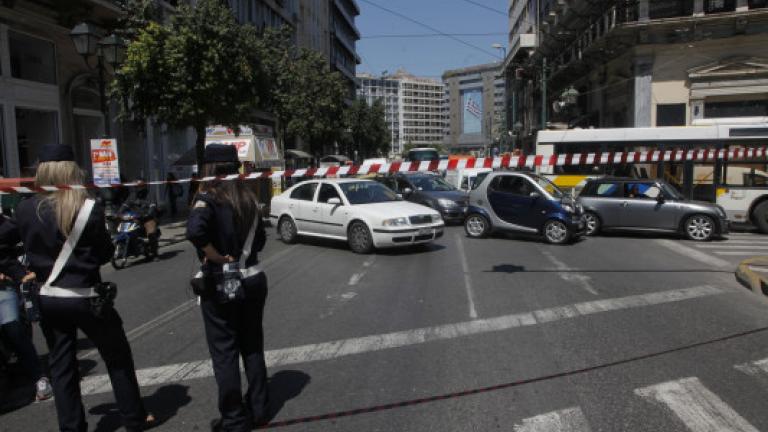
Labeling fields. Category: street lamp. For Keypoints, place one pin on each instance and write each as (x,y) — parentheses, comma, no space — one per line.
(516,129)
(502,48)
(110,49)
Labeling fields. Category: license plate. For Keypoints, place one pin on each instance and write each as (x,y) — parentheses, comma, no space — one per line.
(424,231)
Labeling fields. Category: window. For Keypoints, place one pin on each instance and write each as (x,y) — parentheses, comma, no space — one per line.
(670,114)
(641,190)
(32,59)
(604,190)
(512,185)
(753,108)
(305,192)
(34,129)
(327,192)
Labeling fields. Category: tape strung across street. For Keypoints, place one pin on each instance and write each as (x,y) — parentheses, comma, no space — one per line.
(330,350)
(521,161)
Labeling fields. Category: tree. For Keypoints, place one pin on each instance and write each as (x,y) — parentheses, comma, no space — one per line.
(306,98)
(368,128)
(200,69)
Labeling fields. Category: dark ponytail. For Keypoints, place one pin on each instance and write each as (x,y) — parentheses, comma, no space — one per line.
(233,192)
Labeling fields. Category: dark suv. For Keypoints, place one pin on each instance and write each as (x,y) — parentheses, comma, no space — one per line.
(648,205)
(432,191)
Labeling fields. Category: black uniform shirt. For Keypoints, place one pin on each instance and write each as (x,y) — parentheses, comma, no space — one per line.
(37,229)
(212,223)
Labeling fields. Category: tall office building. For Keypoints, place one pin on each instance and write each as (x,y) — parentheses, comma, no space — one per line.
(475,108)
(636,64)
(413,106)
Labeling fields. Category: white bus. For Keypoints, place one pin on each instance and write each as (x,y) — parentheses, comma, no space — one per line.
(739,185)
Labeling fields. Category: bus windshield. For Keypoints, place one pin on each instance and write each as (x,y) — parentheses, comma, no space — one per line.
(418,155)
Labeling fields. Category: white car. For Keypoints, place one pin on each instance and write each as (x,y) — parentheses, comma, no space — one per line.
(364,213)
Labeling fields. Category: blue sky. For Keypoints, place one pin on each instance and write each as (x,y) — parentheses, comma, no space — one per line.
(428,56)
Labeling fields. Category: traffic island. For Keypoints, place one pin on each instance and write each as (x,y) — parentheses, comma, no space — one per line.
(753,274)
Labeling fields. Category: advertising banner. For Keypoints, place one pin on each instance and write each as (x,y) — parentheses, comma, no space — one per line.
(472,111)
(104,160)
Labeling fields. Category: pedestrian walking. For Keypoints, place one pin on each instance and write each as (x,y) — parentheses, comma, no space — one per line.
(225,227)
(194,185)
(66,242)
(15,331)
(173,191)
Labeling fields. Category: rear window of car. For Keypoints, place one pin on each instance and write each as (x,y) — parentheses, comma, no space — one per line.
(305,192)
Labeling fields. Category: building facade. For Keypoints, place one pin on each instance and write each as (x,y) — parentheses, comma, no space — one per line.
(636,64)
(475,107)
(413,106)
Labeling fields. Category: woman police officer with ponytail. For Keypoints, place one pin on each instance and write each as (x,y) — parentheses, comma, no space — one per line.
(66,242)
(223,221)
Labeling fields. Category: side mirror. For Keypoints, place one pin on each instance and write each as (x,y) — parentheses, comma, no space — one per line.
(334,201)
(660,198)
(399,197)
(407,191)
(534,195)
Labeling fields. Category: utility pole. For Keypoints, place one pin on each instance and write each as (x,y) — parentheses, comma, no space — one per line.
(543,93)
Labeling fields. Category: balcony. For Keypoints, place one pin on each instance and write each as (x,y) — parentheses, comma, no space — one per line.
(522,41)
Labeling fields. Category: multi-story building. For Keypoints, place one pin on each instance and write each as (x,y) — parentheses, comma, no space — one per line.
(475,107)
(413,106)
(344,35)
(635,64)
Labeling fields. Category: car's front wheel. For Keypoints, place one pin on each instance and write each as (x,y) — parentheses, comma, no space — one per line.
(476,226)
(592,222)
(699,228)
(359,238)
(287,230)
(556,232)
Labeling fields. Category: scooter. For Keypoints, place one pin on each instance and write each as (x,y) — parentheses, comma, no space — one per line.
(130,239)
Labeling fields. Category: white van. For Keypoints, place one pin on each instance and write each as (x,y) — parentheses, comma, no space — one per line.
(465,178)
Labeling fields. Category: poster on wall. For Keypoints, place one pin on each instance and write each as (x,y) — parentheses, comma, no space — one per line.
(104,160)
(472,111)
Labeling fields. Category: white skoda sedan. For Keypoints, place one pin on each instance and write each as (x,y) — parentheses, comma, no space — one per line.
(364,213)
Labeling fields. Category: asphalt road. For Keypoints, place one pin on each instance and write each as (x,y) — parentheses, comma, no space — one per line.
(617,333)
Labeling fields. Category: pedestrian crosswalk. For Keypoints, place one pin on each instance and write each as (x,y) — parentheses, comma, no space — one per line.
(687,401)
(737,245)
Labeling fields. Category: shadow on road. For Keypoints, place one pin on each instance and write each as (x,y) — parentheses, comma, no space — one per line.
(284,386)
(511,268)
(342,246)
(164,404)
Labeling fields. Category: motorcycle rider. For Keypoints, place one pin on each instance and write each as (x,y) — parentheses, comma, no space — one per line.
(147,211)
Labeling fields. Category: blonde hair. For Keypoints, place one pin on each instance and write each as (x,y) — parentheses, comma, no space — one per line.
(65,203)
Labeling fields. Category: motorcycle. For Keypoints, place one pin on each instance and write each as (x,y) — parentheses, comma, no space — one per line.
(130,239)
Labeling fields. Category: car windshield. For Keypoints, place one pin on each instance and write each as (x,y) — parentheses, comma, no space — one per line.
(367,192)
(431,184)
(670,192)
(548,186)
(479,179)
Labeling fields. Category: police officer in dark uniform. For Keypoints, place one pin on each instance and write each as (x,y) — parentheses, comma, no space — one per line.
(43,224)
(221,219)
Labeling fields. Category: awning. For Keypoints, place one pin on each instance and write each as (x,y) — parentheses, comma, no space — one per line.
(335,158)
(297,154)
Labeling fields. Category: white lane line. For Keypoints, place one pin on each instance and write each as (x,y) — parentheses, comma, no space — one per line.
(730,246)
(693,253)
(355,278)
(347,347)
(174,313)
(755,368)
(737,253)
(567,274)
(567,420)
(758,242)
(697,407)
(467,278)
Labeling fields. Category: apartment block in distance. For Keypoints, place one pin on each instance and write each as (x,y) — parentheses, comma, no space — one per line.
(475,107)
(414,107)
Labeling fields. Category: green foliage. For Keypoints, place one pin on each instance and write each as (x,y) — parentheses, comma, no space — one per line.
(304,95)
(200,69)
(368,129)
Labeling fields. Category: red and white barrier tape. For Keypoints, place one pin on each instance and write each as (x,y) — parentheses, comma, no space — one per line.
(533,161)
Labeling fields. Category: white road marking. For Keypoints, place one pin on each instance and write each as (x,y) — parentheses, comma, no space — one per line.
(172,314)
(730,246)
(697,407)
(764,241)
(567,420)
(467,278)
(347,347)
(693,253)
(567,274)
(359,275)
(758,368)
(737,253)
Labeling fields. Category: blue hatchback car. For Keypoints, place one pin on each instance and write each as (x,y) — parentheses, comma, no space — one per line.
(523,202)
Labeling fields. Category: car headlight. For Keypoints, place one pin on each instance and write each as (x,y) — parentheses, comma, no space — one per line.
(442,202)
(569,208)
(395,222)
(437,218)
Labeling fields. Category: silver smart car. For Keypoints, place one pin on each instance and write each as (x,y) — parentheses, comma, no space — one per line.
(648,205)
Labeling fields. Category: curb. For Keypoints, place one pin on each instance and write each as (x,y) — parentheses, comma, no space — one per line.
(751,278)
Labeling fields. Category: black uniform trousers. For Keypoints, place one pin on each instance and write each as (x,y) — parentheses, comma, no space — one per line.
(61,318)
(233,330)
